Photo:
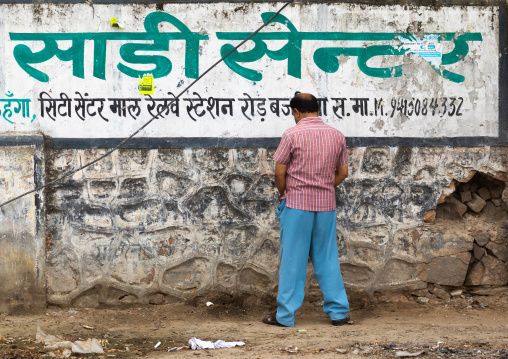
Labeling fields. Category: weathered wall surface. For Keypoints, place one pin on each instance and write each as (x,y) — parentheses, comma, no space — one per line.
(22,259)
(154,225)
(189,210)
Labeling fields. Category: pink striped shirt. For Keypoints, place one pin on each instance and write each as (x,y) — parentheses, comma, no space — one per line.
(311,150)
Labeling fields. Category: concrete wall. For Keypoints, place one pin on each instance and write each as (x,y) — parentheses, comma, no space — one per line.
(22,247)
(155,225)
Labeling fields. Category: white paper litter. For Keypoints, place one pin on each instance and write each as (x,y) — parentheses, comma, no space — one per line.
(52,342)
(87,347)
(195,343)
(408,354)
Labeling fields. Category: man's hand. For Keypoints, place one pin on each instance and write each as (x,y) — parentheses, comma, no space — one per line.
(341,173)
(280,177)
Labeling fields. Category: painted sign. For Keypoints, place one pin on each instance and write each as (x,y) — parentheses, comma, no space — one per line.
(70,71)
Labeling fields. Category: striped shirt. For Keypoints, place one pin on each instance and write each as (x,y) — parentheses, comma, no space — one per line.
(311,150)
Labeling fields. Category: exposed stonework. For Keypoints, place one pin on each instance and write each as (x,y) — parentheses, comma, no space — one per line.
(486,220)
(149,226)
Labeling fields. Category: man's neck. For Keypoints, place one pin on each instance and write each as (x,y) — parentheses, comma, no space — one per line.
(307,115)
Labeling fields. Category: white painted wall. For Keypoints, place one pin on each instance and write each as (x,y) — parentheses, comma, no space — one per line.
(479,90)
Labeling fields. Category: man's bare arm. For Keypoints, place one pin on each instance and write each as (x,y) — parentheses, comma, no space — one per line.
(280,177)
(341,173)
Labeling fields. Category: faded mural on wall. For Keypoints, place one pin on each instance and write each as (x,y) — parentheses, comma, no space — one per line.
(72,74)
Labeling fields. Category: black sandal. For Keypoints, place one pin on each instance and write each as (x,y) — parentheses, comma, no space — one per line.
(271,319)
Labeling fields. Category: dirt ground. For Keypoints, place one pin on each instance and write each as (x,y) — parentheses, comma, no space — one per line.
(463,327)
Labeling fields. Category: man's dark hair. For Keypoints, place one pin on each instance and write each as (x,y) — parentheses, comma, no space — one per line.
(305,103)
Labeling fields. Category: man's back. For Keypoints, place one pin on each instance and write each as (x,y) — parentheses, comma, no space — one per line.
(312,150)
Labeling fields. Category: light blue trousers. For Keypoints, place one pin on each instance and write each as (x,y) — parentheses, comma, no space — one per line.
(304,234)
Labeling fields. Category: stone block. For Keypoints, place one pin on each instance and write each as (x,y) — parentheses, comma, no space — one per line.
(367,253)
(499,156)
(464,187)
(99,169)
(356,275)
(99,190)
(484,193)
(156,299)
(402,162)
(441,293)
(478,252)
(263,211)
(452,208)
(262,189)
(456,293)
(141,214)
(475,275)
(430,216)
(492,213)
(251,279)
(90,217)
(189,276)
(240,242)
(239,185)
(499,251)
(64,196)
(397,271)
(497,191)
(62,274)
(133,160)
(376,161)
(501,236)
(247,160)
(59,162)
(133,188)
(422,199)
(443,241)
(355,155)
(449,270)
(226,276)
(266,255)
(477,204)
(175,159)
(496,271)
(212,204)
(502,176)
(212,163)
(130,264)
(481,237)
(86,301)
(465,196)
(473,187)
(420,293)
(172,184)
(376,235)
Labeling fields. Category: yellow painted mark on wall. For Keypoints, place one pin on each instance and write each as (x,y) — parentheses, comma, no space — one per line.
(146,85)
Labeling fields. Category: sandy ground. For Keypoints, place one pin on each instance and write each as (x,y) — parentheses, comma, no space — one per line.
(463,327)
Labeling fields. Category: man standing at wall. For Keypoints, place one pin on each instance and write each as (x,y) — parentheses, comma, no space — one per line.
(311,161)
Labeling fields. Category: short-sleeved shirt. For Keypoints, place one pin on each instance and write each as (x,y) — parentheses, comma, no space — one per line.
(311,150)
